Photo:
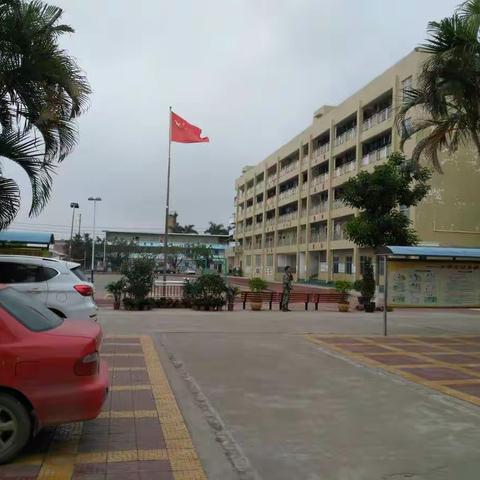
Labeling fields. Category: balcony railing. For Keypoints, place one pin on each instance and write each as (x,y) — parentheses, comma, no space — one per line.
(257,245)
(377,118)
(249,210)
(338,203)
(271,180)
(259,206)
(248,228)
(377,155)
(346,136)
(270,202)
(316,237)
(270,222)
(345,168)
(318,208)
(287,241)
(287,217)
(288,193)
(320,179)
(321,149)
(259,187)
(289,168)
(269,243)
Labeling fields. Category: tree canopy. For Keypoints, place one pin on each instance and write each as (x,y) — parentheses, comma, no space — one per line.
(378,196)
(217,229)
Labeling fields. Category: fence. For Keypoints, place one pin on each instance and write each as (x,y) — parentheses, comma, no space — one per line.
(168,289)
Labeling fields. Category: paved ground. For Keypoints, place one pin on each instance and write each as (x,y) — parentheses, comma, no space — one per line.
(301,395)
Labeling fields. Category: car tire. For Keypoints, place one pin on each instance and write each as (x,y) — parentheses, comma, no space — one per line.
(14,415)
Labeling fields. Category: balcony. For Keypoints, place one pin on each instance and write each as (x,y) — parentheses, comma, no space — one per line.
(345,136)
(248,228)
(288,217)
(271,181)
(287,241)
(249,210)
(257,245)
(321,207)
(377,118)
(318,237)
(338,203)
(288,193)
(270,222)
(321,149)
(259,187)
(292,167)
(377,155)
(318,180)
(270,203)
(345,168)
(259,206)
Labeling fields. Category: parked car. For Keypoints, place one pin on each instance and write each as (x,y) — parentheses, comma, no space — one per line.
(60,285)
(51,370)
(190,271)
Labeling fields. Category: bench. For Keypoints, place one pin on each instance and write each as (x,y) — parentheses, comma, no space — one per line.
(295,297)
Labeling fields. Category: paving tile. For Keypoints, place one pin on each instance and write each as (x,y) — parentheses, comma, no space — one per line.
(473,389)
(108,340)
(464,347)
(396,359)
(121,401)
(439,340)
(19,471)
(140,466)
(473,369)
(90,469)
(455,358)
(390,340)
(365,348)
(421,348)
(143,400)
(149,434)
(341,340)
(438,373)
(119,361)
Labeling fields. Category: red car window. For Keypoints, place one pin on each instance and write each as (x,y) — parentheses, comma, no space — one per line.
(30,313)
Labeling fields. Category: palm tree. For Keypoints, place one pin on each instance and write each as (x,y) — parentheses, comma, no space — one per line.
(446,103)
(216,229)
(42,91)
(189,229)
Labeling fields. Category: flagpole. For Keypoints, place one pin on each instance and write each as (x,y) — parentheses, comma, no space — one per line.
(167,206)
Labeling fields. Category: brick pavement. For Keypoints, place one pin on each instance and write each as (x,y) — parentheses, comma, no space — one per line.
(140,434)
(450,364)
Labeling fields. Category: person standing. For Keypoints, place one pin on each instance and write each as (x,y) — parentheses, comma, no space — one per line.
(287,287)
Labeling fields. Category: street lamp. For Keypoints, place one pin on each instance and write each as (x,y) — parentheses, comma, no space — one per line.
(73,206)
(94,200)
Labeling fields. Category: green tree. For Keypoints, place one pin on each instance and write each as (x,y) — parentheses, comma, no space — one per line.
(216,229)
(42,91)
(184,229)
(445,106)
(139,275)
(202,255)
(378,196)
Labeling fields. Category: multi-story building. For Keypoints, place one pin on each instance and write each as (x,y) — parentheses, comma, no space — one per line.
(289,209)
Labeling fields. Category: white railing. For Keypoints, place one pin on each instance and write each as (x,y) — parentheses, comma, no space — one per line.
(316,237)
(167,289)
(345,168)
(271,180)
(319,208)
(337,203)
(346,136)
(269,243)
(377,118)
(320,179)
(321,149)
(377,155)
(289,168)
(282,242)
(270,222)
(288,193)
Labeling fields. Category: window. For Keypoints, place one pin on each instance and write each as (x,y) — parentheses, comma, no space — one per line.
(248,260)
(49,273)
(336,262)
(27,311)
(405,210)
(20,273)
(348,264)
(269,260)
(406,128)
(406,85)
(258,260)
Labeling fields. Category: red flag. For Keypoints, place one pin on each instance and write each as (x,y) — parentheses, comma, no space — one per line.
(184,132)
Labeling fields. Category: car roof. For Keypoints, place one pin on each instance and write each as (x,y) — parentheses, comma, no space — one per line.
(26,258)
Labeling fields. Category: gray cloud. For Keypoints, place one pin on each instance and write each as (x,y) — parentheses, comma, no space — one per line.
(250,73)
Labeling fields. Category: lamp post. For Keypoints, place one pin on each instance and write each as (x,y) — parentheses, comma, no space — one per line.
(73,206)
(94,200)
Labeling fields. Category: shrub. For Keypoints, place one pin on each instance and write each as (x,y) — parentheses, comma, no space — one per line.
(116,289)
(257,284)
(207,291)
(368,283)
(139,275)
(344,287)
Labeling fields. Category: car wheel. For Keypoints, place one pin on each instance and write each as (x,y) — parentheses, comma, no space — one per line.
(15,427)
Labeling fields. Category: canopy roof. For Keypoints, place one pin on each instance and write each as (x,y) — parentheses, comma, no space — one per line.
(438,252)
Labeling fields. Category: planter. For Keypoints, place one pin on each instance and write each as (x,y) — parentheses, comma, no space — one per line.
(256,302)
(230,307)
(361,300)
(343,307)
(369,307)
(116,305)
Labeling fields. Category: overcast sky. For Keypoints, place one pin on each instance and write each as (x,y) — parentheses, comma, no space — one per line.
(250,73)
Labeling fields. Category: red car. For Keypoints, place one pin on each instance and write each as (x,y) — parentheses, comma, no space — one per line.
(50,370)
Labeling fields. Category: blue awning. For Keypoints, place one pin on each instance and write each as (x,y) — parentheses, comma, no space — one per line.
(29,238)
(438,252)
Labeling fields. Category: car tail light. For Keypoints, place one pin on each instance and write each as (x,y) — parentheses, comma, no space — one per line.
(87,365)
(84,290)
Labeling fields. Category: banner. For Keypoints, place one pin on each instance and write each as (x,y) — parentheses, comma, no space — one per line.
(433,284)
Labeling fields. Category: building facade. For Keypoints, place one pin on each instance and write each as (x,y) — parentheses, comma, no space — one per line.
(288,208)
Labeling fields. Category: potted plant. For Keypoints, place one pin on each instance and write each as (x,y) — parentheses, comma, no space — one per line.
(368,287)
(231,293)
(257,285)
(116,289)
(343,287)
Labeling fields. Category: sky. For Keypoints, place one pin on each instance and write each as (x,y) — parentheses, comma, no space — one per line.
(249,73)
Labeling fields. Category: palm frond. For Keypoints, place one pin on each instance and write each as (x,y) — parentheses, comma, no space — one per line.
(9,201)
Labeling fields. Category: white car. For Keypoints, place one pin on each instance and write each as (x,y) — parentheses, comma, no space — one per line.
(60,285)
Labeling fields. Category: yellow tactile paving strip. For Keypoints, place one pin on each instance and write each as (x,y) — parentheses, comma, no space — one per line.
(163,423)
(430,361)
